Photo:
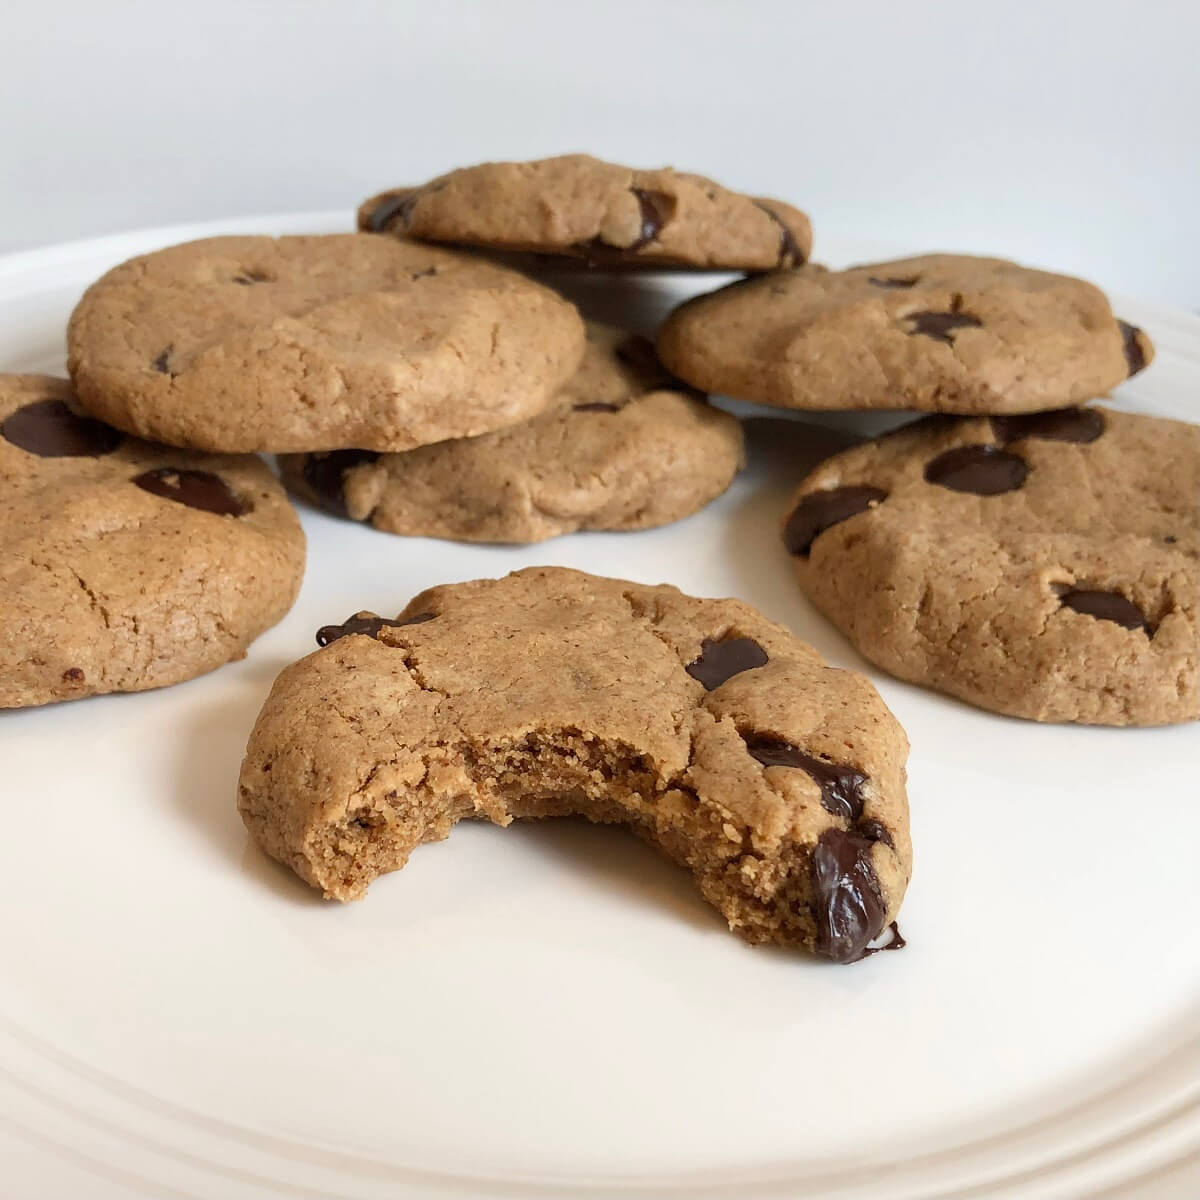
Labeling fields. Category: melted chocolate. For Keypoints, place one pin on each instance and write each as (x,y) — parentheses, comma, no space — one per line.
(388,209)
(875,831)
(981,469)
(196,489)
(841,786)
(655,210)
(895,942)
(366,623)
(326,475)
(1105,606)
(1135,357)
(49,429)
(1058,425)
(722,659)
(847,905)
(790,254)
(817,511)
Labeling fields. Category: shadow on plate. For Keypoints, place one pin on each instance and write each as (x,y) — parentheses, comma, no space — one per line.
(780,452)
(209,758)
(612,858)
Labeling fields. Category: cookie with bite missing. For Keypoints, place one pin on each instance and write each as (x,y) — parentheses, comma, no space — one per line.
(713,733)
(293,344)
(626,446)
(579,207)
(126,565)
(1041,566)
(941,333)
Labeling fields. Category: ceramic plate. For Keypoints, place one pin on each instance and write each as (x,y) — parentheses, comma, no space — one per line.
(551,1010)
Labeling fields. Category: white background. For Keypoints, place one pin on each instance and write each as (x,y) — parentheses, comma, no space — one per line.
(1062,132)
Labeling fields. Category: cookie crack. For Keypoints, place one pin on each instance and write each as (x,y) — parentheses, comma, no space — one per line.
(418,675)
(93,599)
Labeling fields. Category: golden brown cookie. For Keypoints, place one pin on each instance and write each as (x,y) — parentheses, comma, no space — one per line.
(602,213)
(317,343)
(712,732)
(1042,566)
(126,565)
(627,446)
(942,333)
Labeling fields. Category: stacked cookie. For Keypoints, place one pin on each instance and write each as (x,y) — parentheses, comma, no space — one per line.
(1034,557)
(126,564)
(1023,548)
(426,390)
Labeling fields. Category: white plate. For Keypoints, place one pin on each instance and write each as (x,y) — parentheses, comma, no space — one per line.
(551,1011)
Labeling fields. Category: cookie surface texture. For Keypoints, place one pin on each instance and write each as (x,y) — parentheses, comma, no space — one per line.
(626,447)
(126,565)
(941,333)
(605,214)
(317,343)
(712,732)
(1041,566)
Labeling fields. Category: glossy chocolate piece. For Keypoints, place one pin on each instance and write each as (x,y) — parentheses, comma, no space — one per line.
(817,511)
(49,429)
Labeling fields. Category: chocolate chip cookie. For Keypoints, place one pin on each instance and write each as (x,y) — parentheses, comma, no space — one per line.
(1042,566)
(125,565)
(942,333)
(317,343)
(626,447)
(710,731)
(601,213)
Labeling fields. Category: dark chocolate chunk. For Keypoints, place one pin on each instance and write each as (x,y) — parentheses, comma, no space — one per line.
(940,325)
(817,511)
(982,469)
(841,786)
(1057,425)
(1135,356)
(1170,539)
(1104,606)
(596,407)
(875,831)
(790,254)
(246,278)
(49,429)
(162,363)
(366,623)
(900,282)
(326,475)
(73,676)
(655,209)
(196,489)
(399,205)
(425,274)
(722,659)
(847,905)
